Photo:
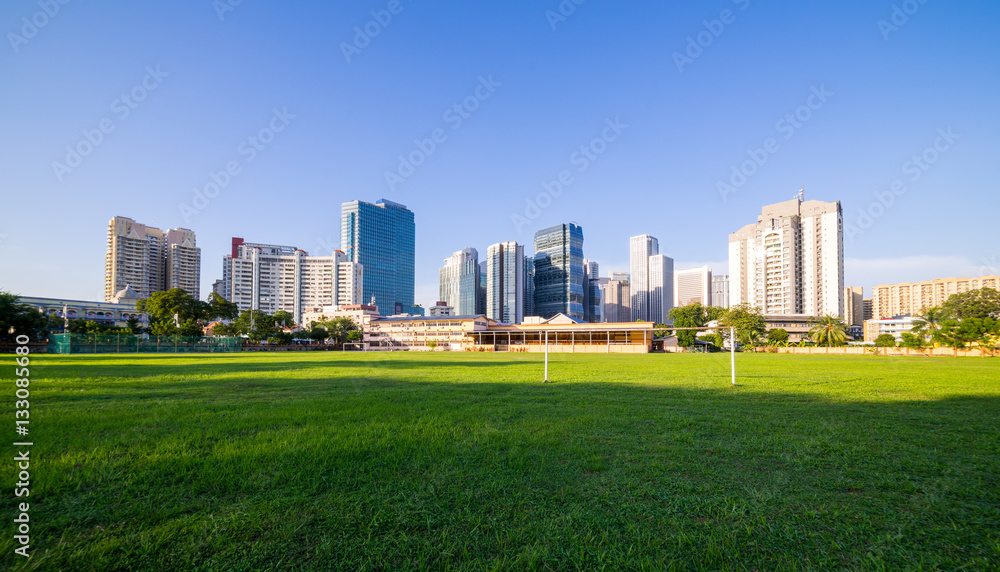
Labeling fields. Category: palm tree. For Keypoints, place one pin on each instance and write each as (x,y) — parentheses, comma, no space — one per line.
(929,321)
(828,331)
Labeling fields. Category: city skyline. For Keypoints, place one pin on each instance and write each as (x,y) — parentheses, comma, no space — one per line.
(257,127)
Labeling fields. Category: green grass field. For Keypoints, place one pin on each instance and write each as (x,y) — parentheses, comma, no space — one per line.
(445,461)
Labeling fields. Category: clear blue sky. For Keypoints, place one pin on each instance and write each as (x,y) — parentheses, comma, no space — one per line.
(892,90)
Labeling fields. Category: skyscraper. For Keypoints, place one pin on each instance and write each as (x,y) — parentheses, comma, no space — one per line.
(640,249)
(559,271)
(661,288)
(617,300)
(505,282)
(529,285)
(854,306)
(720,290)
(592,295)
(459,286)
(791,261)
(382,238)
(693,286)
(150,260)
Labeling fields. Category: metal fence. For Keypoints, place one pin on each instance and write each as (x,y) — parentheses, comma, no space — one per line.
(139,344)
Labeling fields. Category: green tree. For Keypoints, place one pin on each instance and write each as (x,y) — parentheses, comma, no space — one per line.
(885,341)
(913,341)
(777,337)
(748,321)
(283,319)
(23,319)
(340,328)
(714,339)
(173,311)
(828,331)
(960,334)
(317,333)
(221,309)
(690,316)
(979,303)
(927,322)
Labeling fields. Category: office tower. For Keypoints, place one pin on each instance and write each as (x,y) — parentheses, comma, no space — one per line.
(273,278)
(592,295)
(854,306)
(912,298)
(791,261)
(720,290)
(219,288)
(661,288)
(459,286)
(505,282)
(382,237)
(617,301)
(693,286)
(150,260)
(868,309)
(620,276)
(481,304)
(529,285)
(640,249)
(559,271)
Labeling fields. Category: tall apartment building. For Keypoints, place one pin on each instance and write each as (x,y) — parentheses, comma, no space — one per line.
(273,278)
(854,306)
(720,290)
(505,282)
(693,286)
(890,300)
(459,282)
(559,271)
(382,238)
(617,300)
(150,260)
(868,309)
(791,261)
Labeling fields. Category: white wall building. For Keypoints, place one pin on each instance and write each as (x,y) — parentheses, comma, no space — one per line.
(149,260)
(791,261)
(720,290)
(661,288)
(640,249)
(273,278)
(459,282)
(693,286)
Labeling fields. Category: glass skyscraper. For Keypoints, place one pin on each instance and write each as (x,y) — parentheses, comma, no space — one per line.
(559,271)
(505,282)
(459,285)
(382,237)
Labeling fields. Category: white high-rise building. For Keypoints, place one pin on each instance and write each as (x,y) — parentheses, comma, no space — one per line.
(661,288)
(150,260)
(693,286)
(640,249)
(791,261)
(617,300)
(459,284)
(505,282)
(273,278)
(720,290)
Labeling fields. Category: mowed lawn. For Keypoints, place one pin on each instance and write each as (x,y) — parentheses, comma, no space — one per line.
(452,461)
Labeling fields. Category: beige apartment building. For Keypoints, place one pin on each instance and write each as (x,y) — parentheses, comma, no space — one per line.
(890,300)
(148,260)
